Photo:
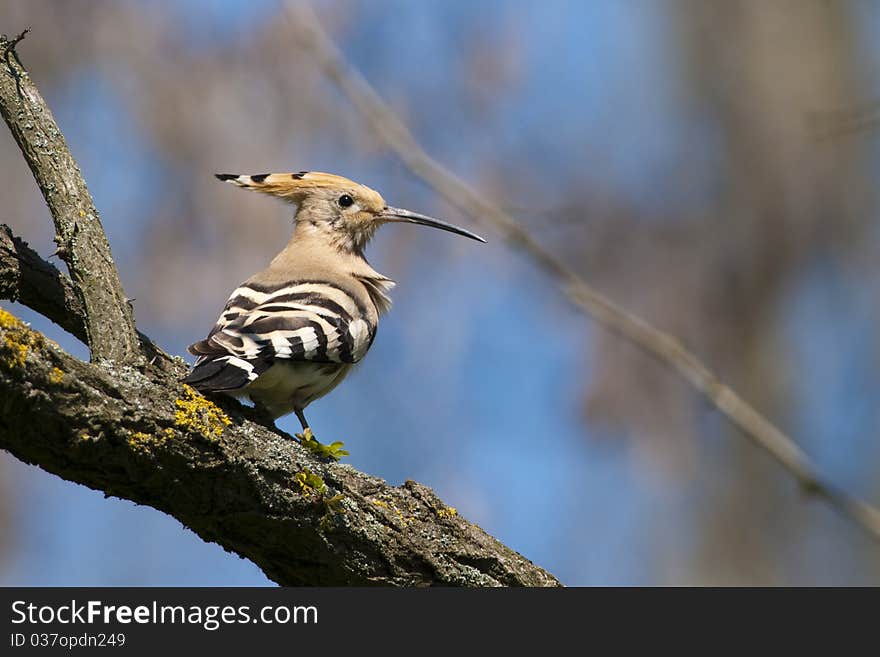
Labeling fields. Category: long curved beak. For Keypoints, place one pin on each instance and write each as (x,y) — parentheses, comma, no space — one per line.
(399,215)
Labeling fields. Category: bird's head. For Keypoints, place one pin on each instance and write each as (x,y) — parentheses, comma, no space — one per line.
(346,212)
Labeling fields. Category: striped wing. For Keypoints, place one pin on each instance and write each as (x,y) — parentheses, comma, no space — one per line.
(300,321)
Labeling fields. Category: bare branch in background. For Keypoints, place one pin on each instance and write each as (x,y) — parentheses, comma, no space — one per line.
(667,349)
(133,431)
(830,124)
(109,325)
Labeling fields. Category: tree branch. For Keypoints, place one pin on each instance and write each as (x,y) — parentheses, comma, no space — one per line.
(132,430)
(109,325)
(26,277)
(662,346)
(232,481)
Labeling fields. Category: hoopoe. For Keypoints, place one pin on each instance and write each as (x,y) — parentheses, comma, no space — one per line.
(291,333)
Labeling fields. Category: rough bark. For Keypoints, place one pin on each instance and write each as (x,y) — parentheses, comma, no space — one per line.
(142,436)
(26,277)
(81,240)
(127,426)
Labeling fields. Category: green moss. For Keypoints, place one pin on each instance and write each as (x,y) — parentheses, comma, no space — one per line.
(333,506)
(198,415)
(309,483)
(332,451)
(334,503)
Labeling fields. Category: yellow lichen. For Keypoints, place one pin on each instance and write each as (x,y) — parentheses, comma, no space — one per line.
(145,442)
(196,414)
(16,340)
(9,321)
(56,375)
(141,442)
(17,353)
(309,483)
(406,520)
(448,512)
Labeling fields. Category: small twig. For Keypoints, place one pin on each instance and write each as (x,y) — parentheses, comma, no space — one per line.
(9,53)
(9,44)
(664,347)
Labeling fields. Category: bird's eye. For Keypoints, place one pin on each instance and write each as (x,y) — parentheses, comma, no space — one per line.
(345,201)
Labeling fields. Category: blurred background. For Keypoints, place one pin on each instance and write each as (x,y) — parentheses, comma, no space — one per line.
(709,165)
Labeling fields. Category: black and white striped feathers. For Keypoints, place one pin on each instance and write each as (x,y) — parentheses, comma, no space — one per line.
(300,320)
(316,329)
(291,333)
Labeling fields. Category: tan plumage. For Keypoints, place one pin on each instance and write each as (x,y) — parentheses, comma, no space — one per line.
(296,187)
(291,333)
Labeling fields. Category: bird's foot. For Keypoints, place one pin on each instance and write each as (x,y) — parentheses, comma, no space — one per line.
(332,451)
